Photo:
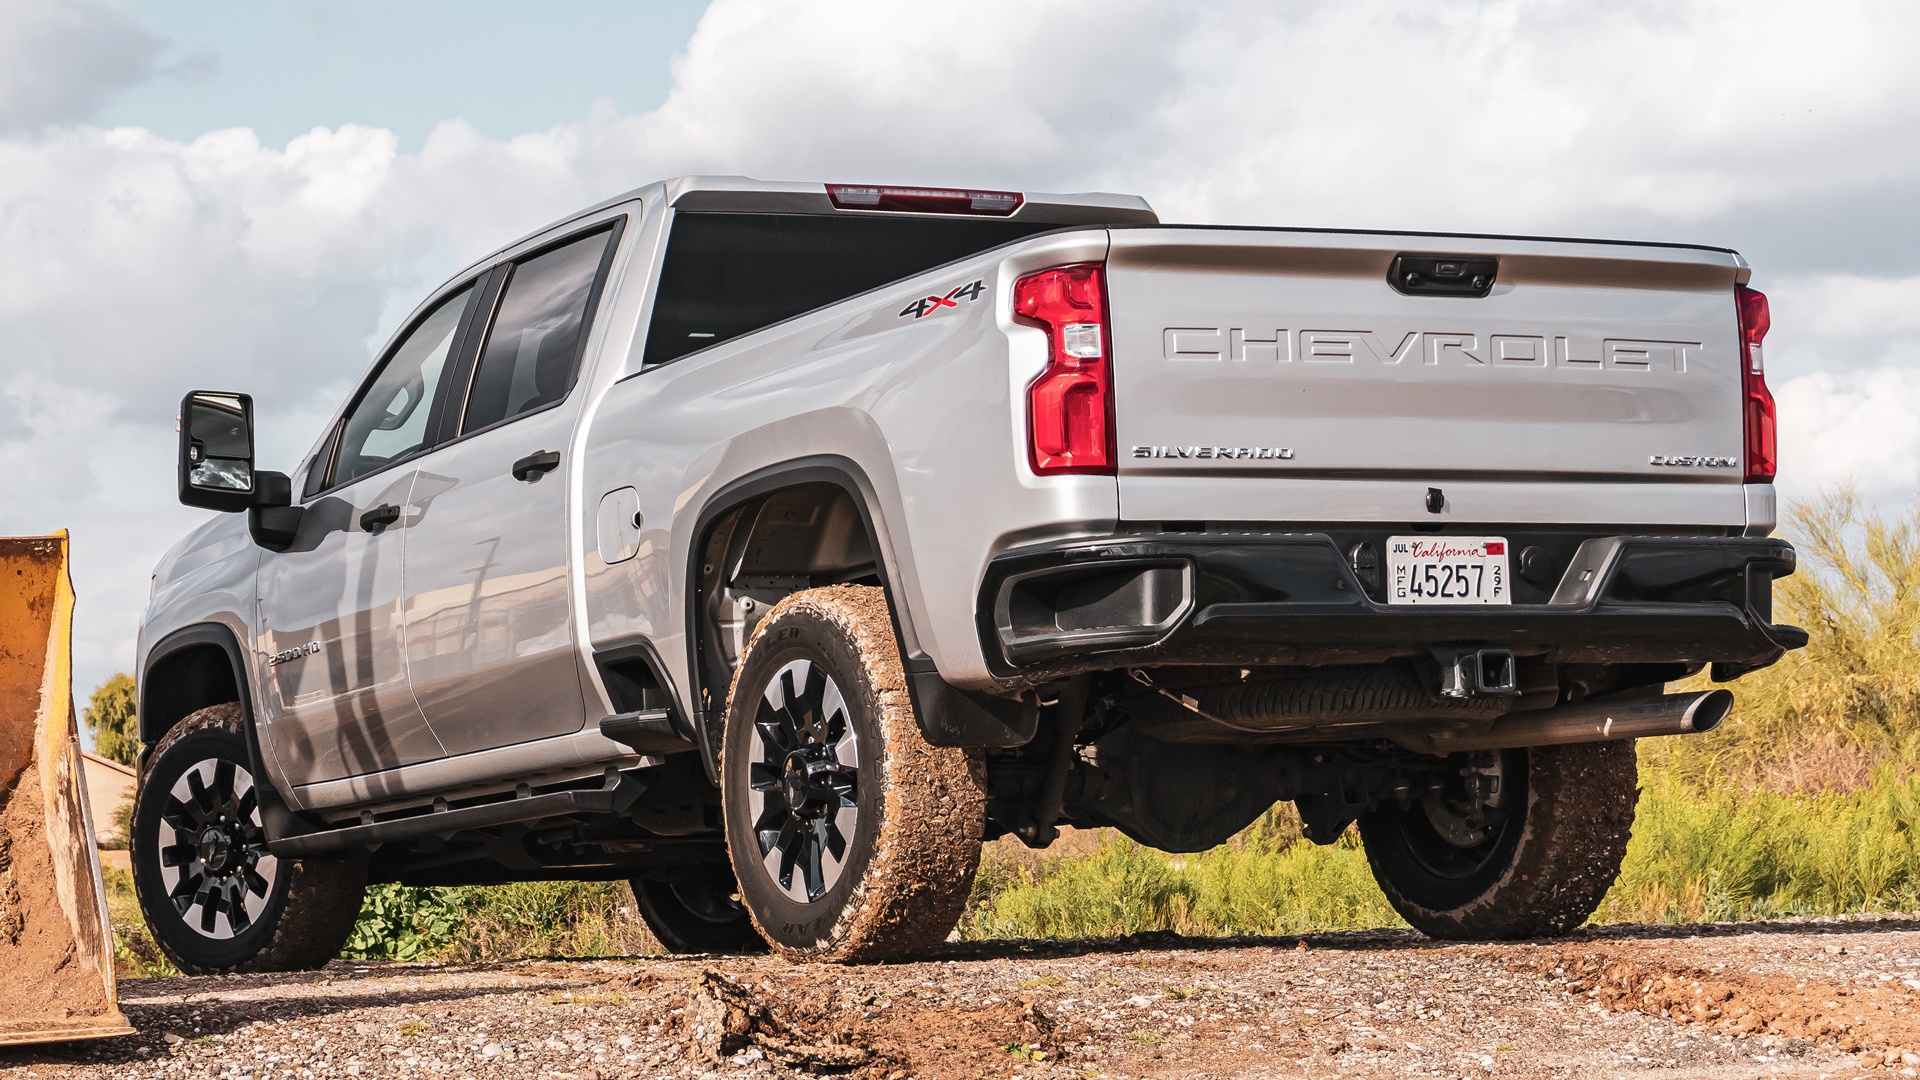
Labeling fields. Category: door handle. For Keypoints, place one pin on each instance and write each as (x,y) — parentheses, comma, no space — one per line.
(535,465)
(379,517)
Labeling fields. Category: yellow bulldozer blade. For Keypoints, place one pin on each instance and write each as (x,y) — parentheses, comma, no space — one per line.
(56,948)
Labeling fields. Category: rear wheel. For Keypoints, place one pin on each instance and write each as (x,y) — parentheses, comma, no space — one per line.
(852,838)
(696,917)
(215,898)
(1516,843)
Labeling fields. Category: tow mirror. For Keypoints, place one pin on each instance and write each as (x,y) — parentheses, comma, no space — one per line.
(216,467)
(216,450)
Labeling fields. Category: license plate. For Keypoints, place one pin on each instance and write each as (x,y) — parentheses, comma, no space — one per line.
(1447,570)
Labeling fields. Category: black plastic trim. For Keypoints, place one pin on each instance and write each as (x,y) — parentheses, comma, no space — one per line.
(1293,598)
(275,813)
(618,651)
(947,716)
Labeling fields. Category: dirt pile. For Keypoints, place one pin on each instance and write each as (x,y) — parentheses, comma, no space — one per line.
(37,947)
(53,936)
(1879,1016)
(724,1018)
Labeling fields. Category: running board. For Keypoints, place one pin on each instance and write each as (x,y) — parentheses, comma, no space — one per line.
(616,796)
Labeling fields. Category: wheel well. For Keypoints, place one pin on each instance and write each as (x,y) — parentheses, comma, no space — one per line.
(183,681)
(803,536)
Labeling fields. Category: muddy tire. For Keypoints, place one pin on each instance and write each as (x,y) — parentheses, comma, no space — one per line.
(216,900)
(852,839)
(696,917)
(1539,868)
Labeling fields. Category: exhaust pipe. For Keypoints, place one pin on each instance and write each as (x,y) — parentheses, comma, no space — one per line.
(1583,722)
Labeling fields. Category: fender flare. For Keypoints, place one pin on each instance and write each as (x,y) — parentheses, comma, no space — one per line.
(947,716)
(200,635)
(275,813)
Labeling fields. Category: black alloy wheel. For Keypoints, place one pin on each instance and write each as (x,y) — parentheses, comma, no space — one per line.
(216,899)
(803,781)
(217,869)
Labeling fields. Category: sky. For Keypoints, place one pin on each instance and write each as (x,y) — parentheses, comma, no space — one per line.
(249,196)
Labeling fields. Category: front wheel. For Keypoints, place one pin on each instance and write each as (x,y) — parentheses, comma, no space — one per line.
(851,837)
(1513,844)
(216,900)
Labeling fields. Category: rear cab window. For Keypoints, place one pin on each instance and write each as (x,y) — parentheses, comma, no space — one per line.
(728,274)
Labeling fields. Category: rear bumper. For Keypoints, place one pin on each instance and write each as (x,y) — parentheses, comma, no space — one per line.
(1297,598)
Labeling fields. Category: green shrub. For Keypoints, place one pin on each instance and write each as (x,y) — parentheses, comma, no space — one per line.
(1719,855)
(1259,884)
(498,922)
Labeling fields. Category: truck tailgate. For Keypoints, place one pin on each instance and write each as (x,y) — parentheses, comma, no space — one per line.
(1277,376)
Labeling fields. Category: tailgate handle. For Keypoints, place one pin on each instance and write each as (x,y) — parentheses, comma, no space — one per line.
(1443,275)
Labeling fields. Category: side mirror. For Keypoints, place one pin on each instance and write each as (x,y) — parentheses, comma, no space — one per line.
(216,450)
(217,473)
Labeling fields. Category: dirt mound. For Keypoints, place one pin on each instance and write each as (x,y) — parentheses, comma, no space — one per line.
(37,947)
(817,1027)
(724,1018)
(1847,1016)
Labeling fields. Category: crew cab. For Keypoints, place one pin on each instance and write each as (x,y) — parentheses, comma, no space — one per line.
(772,545)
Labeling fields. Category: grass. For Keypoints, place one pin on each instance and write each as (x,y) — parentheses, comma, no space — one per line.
(1725,854)
(1265,881)
(466,924)
(499,922)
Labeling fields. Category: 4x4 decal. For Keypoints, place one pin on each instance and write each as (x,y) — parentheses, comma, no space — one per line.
(924,307)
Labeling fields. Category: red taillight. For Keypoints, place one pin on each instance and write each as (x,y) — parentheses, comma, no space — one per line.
(1070,406)
(911,200)
(1754,322)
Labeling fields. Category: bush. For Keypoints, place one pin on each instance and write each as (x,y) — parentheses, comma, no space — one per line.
(1267,881)
(498,922)
(1723,855)
(1827,717)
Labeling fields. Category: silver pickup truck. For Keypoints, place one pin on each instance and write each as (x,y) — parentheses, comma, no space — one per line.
(773,545)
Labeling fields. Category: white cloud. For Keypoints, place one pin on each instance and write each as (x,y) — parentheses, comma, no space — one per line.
(1844,322)
(1859,427)
(138,267)
(62,61)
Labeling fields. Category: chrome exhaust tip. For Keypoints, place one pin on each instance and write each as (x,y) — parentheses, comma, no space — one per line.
(1588,721)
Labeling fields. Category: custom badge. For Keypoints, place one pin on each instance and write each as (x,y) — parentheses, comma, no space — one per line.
(926,306)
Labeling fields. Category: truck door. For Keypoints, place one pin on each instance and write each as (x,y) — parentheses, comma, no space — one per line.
(489,629)
(337,702)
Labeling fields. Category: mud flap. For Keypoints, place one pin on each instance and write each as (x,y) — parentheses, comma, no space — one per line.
(54,936)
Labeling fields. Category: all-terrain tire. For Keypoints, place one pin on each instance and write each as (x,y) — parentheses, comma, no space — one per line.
(696,917)
(1541,872)
(825,776)
(297,912)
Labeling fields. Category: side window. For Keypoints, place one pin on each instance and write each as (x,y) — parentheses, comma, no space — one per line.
(538,330)
(390,421)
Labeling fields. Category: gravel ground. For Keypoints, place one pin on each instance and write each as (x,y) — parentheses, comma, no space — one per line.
(1817,998)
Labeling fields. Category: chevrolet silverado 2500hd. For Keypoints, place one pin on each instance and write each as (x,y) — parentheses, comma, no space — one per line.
(771,545)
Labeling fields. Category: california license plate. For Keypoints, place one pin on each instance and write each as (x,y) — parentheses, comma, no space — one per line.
(1447,570)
